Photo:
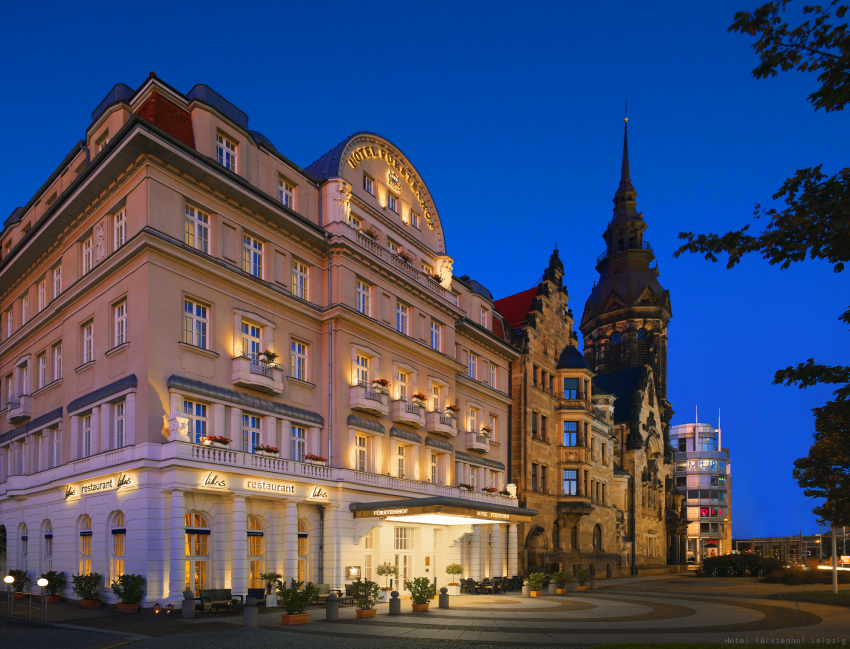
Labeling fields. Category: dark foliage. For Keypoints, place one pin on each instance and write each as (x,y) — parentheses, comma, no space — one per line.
(739,563)
(797,577)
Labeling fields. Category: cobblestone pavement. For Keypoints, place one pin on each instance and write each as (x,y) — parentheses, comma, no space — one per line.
(20,636)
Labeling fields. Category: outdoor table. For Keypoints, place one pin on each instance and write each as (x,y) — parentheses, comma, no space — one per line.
(234,605)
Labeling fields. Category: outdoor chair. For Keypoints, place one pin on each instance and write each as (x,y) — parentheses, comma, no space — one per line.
(468,586)
(322,593)
(214,600)
(258,594)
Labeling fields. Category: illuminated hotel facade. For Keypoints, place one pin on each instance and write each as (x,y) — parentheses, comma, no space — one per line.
(140,290)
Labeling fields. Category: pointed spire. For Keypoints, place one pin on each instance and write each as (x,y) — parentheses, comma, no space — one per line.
(624,174)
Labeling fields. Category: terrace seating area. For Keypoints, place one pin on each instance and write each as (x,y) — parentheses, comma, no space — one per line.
(494,586)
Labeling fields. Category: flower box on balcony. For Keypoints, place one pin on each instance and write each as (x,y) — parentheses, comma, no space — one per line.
(266,451)
(215,441)
(465,487)
(315,459)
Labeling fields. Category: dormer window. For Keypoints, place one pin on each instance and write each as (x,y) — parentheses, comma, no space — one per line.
(285,193)
(103,141)
(226,151)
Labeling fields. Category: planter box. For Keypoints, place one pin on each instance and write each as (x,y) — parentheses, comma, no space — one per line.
(127,608)
(453,590)
(271,601)
(52,599)
(366,613)
(419,607)
(534,593)
(298,618)
(90,603)
(18,595)
(215,444)
(560,591)
(384,596)
(582,587)
(266,453)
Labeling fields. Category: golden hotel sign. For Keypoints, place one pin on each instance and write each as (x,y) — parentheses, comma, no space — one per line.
(443,510)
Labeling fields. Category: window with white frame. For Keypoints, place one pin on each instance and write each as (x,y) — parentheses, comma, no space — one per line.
(256,559)
(473,472)
(435,397)
(300,279)
(402,538)
(303,549)
(57,448)
(226,152)
(361,370)
(103,141)
(402,318)
(367,563)
(298,443)
(57,281)
(401,385)
(436,336)
(120,229)
(25,309)
(251,433)
(400,458)
(392,246)
(252,256)
(368,185)
(354,221)
(392,202)
(197,415)
(86,435)
(473,366)
(48,548)
(285,193)
(85,545)
(57,362)
(120,423)
(119,538)
(25,379)
(493,376)
(88,255)
(88,343)
(484,317)
(42,295)
(40,460)
(298,357)
(360,453)
(473,419)
(196,229)
(252,344)
(414,219)
(364,297)
(435,466)
(493,424)
(9,323)
(195,322)
(41,362)
(121,323)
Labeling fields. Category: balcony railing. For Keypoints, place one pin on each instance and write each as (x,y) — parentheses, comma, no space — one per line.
(20,407)
(477,442)
(364,397)
(252,372)
(636,245)
(15,401)
(371,393)
(257,366)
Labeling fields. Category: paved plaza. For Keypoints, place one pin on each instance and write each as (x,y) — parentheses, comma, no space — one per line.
(668,609)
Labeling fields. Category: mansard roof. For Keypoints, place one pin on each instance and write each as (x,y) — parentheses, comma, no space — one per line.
(572,359)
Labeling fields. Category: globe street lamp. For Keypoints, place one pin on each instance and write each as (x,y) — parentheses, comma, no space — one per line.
(42,582)
(9,579)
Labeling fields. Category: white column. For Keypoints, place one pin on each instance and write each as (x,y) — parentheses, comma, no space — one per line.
(290,541)
(130,420)
(475,554)
(503,550)
(239,546)
(332,551)
(95,432)
(106,442)
(275,544)
(236,429)
(496,565)
(485,551)
(177,546)
(76,444)
(217,422)
(512,550)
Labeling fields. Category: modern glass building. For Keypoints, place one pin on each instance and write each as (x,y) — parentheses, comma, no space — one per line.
(703,474)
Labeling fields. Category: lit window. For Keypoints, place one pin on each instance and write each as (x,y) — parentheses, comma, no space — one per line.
(87,436)
(300,280)
(299,443)
(360,453)
(364,294)
(251,343)
(195,322)
(473,366)
(25,310)
(299,360)
(392,203)
(120,228)
(402,538)
(42,295)
(303,551)
(42,370)
(484,317)
(197,553)
(368,185)
(255,553)
(120,423)
(251,433)
(414,219)
(88,253)
(88,343)
(85,545)
(401,320)
(57,362)
(285,193)
(121,324)
(197,414)
(252,256)
(401,388)
(196,229)
(119,537)
(57,281)
(362,370)
(226,151)
(436,336)
(493,375)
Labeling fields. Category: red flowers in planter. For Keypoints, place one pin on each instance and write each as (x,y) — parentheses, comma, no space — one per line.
(419,396)
(315,458)
(382,382)
(489,490)
(370,232)
(452,408)
(267,449)
(216,438)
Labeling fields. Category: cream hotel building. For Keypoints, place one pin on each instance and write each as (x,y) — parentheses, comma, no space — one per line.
(140,290)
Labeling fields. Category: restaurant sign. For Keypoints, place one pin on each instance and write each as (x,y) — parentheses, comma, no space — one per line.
(442,510)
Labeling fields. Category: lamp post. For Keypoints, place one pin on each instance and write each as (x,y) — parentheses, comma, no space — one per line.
(9,579)
(42,583)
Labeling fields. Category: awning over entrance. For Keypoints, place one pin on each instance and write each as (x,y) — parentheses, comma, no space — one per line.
(442,510)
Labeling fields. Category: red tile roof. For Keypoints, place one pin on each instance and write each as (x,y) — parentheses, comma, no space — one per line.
(168,116)
(515,307)
(497,326)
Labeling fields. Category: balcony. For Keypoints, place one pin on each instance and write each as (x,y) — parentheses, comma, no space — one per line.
(362,397)
(408,412)
(574,454)
(571,508)
(574,404)
(440,423)
(20,408)
(251,372)
(477,442)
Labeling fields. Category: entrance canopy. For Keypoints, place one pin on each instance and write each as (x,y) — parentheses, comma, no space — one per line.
(442,510)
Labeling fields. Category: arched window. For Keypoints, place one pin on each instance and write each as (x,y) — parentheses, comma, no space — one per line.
(597,537)
(641,346)
(303,551)
(197,552)
(616,351)
(22,529)
(255,552)
(119,538)
(47,547)
(85,545)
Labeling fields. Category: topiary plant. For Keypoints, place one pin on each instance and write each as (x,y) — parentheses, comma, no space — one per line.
(421,590)
(387,570)
(294,600)
(454,570)
(128,588)
(366,593)
(581,576)
(561,578)
(21,580)
(55,582)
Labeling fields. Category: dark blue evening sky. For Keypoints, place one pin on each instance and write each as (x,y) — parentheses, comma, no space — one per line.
(512,114)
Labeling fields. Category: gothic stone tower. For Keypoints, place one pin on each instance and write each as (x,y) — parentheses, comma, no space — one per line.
(625,319)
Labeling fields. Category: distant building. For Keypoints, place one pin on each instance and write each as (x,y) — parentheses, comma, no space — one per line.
(703,475)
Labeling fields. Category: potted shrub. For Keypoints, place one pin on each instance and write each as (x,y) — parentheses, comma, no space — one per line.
(312,458)
(216,441)
(268,356)
(86,587)
(452,410)
(366,595)
(267,450)
(419,398)
(128,589)
(295,601)
(454,570)
(380,385)
(271,579)
(536,581)
(55,582)
(370,232)
(422,591)
(581,578)
(561,579)
(386,570)
(21,580)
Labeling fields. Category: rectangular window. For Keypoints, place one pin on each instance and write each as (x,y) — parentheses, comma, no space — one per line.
(285,193)
(570,433)
(473,420)
(88,255)
(299,443)
(402,538)
(436,337)
(118,542)
(367,567)
(392,203)
(364,297)
(400,461)
(435,398)
(401,391)
(42,295)
(87,436)
(9,323)
(299,360)
(534,477)
(120,422)
(57,281)
(534,430)
(251,343)
(570,482)
(362,370)
(121,324)
(392,246)
(543,479)
(414,219)
(570,388)
(543,427)
(57,362)
(473,366)
(493,424)
(401,321)
(252,256)
(484,318)
(197,414)
(360,453)
(300,280)
(435,462)
(493,383)
(25,310)
(195,321)
(57,448)
(197,229)
(226,151)
(251,433)
(120,229)
(88,343)
(368,185)
(354,222)
(42,370)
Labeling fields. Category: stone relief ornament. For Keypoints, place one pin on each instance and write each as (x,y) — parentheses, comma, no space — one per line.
(511,489)
(393,181)
(178,427)
(343,199)
(444,270)
(99,237)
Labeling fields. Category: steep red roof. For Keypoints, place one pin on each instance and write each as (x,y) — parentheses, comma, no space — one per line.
(515,307)
(168,116)
(497,326)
